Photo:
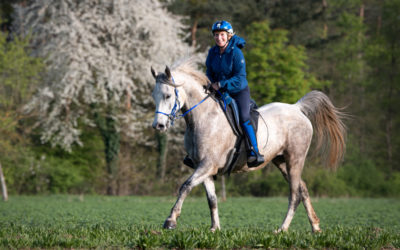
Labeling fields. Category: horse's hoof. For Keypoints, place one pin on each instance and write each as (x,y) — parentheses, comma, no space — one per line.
(213,229)
(316,231)
(315,228)
(169,224)
(279,230)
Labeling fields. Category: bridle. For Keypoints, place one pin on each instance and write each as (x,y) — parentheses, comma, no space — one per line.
(173,115)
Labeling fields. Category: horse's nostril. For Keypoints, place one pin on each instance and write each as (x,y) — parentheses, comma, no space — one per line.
(160,126)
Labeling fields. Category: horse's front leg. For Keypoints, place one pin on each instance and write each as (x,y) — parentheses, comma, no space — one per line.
(212,202)
(203,172)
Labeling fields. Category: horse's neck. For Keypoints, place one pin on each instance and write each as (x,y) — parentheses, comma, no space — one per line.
(194,95)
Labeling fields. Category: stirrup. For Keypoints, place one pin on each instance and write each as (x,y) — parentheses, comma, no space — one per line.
(255,159)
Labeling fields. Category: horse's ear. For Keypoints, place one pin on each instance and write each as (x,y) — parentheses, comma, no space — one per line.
(168,72)
(153,72)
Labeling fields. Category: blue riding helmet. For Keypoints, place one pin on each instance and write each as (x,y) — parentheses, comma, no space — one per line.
(222,25)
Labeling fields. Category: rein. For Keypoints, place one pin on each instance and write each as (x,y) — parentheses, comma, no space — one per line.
(173,116)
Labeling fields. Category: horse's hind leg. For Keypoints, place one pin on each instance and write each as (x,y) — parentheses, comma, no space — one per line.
(312,216)
(280,163)
(200,175)
(212,202)
(292,175)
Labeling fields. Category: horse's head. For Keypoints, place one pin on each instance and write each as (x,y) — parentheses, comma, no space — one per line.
(165,95)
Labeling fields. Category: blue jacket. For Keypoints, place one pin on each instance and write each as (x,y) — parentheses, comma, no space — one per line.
(228,68)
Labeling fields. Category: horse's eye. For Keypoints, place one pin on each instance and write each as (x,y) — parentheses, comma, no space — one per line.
(167,96)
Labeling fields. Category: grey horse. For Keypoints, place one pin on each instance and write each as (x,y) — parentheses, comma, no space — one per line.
(284,138)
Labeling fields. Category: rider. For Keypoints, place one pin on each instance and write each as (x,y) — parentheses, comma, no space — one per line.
(226,70)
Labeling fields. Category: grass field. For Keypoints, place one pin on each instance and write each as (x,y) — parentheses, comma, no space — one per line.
(136,222)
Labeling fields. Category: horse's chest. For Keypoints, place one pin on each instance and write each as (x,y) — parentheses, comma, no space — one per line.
(197,143)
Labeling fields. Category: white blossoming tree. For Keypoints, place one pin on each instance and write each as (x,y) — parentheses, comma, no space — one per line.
(98,53)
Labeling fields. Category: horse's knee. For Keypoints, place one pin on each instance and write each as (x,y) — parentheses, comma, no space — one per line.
(186,187)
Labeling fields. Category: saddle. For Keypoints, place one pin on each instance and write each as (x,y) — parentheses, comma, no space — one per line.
(230,108)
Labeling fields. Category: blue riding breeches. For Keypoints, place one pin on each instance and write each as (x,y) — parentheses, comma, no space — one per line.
(242,99)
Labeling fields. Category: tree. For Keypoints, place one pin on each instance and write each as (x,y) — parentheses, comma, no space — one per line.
(384,59)
(203,13)
(276,70)
(98,55)
(19,74)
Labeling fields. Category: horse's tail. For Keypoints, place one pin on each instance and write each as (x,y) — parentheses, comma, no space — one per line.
(328,125)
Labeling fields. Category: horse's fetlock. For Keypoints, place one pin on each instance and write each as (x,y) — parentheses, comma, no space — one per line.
(169,224)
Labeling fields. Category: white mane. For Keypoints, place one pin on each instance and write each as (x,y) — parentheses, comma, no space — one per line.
(189,66)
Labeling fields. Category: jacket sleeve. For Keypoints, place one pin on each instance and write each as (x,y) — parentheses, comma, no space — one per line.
(209,72)
(238,80)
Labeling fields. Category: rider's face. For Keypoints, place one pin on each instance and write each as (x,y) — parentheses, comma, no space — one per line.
(221,38)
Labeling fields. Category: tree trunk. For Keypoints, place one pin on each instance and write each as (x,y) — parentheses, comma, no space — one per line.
(193,32)
(111,139)
(389,127)
(361,87)
(223,189)
(389,114)
(162,140)
(3,185)
(325,32)
(379,25)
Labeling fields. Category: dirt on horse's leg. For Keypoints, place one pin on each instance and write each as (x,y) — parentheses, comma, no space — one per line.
(212,202)
(312,216)
(199,175)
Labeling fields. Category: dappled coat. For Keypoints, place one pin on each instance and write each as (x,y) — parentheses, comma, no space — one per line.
(228,68)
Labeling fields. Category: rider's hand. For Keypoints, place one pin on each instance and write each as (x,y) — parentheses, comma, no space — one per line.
(213,87)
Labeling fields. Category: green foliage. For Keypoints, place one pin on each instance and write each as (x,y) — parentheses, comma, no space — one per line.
(135,222)
(42,169)
(276,69)
(18,70)
(258,184)
(323,182)
(383,55)
(19,75)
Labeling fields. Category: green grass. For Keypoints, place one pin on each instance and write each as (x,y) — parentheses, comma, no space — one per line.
(136,222)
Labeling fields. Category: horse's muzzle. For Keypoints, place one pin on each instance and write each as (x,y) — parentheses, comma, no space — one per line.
(159,126)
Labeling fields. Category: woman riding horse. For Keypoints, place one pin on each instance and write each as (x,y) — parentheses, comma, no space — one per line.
(226,70)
